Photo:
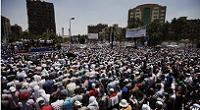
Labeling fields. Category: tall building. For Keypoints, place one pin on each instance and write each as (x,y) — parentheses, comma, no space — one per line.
(5,29)
(146,14)
(16,29)
(41,17)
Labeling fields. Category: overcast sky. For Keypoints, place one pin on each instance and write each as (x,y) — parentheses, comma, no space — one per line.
(88,12)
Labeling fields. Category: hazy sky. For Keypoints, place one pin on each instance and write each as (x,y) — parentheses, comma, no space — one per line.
(88,12)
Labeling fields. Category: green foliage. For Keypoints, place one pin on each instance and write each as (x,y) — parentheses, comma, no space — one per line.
(154,32)
(177,30)
(105,34)
(82,39)
(115,29)
(117,32)
(28,35)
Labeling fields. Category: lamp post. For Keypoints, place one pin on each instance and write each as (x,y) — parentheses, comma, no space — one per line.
(72,18)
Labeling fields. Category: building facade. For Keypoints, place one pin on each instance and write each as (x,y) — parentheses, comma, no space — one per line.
(41,17)
(146,14)
(5,29)
(16,30)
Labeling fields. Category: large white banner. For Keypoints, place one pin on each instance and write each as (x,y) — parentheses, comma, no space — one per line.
(135,32)
(92,35)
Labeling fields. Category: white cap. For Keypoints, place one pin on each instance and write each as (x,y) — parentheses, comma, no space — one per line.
(40,99)
(44,65)
(93,84)
(77,103)
(145,107)
(112,90)
(123,103)
(159,103)
(12,89)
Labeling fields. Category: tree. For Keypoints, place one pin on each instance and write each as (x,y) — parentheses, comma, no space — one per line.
(118,32)
(105,33)
(154,33)
(165,31)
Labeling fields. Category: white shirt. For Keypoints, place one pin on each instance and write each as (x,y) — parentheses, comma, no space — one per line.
(57,105)
(21,74)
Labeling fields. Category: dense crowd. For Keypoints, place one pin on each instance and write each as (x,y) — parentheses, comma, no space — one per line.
(98,77)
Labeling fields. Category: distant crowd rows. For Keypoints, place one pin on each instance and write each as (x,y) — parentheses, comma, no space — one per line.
(97,77)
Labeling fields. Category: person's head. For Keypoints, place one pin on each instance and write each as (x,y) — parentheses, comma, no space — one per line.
(12,89)
(40,101)
(20,70)
(159,105)
(123,104)
(92,99)
(77,104)
(63,94)
(145,107)
(30,102)
(93,85)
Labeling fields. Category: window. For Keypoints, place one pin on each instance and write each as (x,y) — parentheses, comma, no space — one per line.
(156,8)
(131,13)
(137,14)
(161,17)
(137,10)
(162,14)
(137,18)
(162,11)
(155,12)
(131,16)
(155,17)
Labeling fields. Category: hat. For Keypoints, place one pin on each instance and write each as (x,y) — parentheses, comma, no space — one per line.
(159,103)
(92,99)
(29,62)
(93,84)
(112,90)
(123,103)
(5,91)
(145,107)
(36,88)
(137,72)
(30,102)
(44,65)
(38,68)
(40,101)
(188,74)
(126,80)
(12,89)
(77,103)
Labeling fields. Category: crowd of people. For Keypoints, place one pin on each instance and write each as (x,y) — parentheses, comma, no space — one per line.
(28,46)
(98,77)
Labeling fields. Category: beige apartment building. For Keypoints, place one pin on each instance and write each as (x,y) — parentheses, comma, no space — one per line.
(146,14)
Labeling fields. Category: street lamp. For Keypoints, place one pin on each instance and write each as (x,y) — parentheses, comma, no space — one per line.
(70,28)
